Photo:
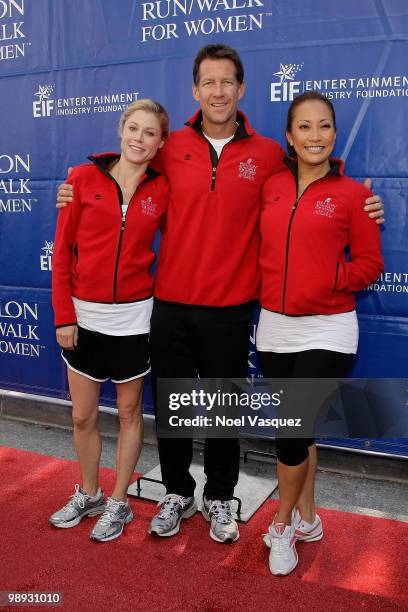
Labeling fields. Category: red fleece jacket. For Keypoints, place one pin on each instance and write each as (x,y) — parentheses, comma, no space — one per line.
(98,256)
(209,250)
(304,268)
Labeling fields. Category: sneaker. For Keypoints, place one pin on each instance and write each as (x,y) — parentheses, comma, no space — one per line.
(173,509)
(80,504)
(266,536)
(308,532)
(224,527)
(283,556)
(111,524)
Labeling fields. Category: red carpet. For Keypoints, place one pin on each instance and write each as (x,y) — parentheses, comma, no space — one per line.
(360,564)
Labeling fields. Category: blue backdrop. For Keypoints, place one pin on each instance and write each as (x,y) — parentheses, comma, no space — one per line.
(69,68)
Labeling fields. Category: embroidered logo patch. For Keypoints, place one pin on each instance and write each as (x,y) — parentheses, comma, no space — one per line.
(325,208)
(148,206)
(247,170)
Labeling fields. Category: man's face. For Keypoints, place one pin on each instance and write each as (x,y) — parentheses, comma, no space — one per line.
(218,92)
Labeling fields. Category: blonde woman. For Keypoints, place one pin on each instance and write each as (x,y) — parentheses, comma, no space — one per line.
(102,297)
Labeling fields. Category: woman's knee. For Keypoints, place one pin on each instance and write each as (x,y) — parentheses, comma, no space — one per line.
(129,413)
(83,421)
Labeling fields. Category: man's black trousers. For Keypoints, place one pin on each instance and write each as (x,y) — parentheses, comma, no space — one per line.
(186,341)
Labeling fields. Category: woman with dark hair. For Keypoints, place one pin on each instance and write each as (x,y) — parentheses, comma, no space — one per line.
(311,212)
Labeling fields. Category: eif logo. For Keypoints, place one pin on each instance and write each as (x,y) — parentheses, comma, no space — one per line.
(43,107)
(46,258)
(287,88)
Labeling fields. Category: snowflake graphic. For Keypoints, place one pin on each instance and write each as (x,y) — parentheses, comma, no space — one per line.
(48,248)
(44,92)
(287,71)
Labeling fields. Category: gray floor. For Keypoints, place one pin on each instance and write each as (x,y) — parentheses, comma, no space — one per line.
(342,491)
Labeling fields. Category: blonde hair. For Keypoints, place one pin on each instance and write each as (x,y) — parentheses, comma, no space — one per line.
(149,106)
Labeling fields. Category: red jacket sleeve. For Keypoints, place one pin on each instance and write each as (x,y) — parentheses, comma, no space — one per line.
(158,161)
(366,262)
(64,245)
(165,199)
(276,159)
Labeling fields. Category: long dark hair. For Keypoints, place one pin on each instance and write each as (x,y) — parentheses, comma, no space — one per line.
(305,97)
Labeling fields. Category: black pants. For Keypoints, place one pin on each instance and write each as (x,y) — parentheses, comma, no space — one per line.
(186,341)
(315,363)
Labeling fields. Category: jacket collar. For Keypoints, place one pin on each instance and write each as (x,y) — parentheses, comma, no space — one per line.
(243,130)
(104,161)
(336,166)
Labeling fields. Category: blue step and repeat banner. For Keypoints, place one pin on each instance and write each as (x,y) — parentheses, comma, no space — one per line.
(68,68)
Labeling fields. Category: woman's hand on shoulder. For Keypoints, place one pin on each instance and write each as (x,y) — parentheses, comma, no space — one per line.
(374,205)
(65,193)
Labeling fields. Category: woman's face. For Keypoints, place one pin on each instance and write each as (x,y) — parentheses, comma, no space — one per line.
(141,137)
(312,132)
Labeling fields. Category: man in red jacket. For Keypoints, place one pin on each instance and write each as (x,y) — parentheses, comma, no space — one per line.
(207,276)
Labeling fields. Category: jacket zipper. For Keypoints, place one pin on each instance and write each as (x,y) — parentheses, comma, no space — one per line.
(214,164)
(215,160)
(294,207)
(122,229)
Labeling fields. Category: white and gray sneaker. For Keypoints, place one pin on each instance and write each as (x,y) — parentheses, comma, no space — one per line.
(173,509)
(80,504)
(111,524)
(224,527)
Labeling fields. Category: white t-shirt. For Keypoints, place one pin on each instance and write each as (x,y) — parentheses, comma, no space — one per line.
(283,334)
(115,319)
(218,143)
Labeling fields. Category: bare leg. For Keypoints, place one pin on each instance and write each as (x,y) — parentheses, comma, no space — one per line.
(129,399)
(290,480)
(306,502)
(85,400)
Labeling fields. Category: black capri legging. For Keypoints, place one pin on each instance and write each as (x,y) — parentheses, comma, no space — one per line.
(316,363)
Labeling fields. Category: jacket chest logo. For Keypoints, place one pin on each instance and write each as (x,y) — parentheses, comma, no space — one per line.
(247,170)
(148,206)
(325,208)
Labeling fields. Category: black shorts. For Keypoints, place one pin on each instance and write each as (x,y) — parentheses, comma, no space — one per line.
(100,357)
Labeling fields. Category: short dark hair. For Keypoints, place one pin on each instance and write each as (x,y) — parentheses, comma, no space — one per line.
(217,52)
(305,97)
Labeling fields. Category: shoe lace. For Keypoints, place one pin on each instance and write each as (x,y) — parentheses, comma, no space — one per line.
(280,544)
(169,505)
(112,508)
(77,499)
(221,511)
